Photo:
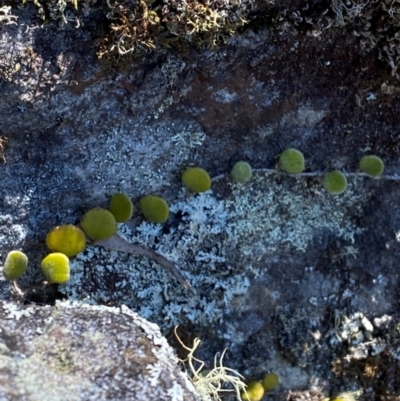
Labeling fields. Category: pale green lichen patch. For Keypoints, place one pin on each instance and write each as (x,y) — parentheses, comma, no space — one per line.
(272,215)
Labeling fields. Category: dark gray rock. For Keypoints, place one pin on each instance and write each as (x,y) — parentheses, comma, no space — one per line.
(277,267)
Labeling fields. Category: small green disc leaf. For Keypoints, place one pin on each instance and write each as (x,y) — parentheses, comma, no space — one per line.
(15,265)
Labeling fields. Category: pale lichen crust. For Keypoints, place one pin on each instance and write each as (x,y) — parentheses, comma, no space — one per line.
(197,243)
(217,243)
(272,216)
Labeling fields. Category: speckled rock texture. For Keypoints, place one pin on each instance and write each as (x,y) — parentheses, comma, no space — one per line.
(81,353)
(289,278)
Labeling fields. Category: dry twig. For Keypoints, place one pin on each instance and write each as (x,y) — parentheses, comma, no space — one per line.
(117,243)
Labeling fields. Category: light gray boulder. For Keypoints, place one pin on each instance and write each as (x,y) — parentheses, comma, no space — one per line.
(79,352)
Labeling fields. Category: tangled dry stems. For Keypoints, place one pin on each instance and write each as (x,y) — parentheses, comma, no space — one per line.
(5,16)
(211,385)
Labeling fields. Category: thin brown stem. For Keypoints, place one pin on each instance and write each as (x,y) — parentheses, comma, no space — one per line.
(117,243)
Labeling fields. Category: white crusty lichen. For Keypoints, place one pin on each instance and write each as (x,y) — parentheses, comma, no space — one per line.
(172,69)
(218,244)
(6,18)
(123,164)
(196,243)
(14,311)
(274,215)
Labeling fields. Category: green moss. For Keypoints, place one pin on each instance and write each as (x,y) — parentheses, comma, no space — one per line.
(99,224)
(335,182)
(15,265)
(255,391)
(371,165)
(154,208)
(196,179)
(121,207)
(55,268)
(270,381)
(241,172)
(67,239)
(292,161)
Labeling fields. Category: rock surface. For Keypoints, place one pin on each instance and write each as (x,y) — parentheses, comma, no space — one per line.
(282,274)
(80,352)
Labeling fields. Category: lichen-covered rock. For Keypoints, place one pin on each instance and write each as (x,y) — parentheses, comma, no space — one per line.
(78,131)
(80,352)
